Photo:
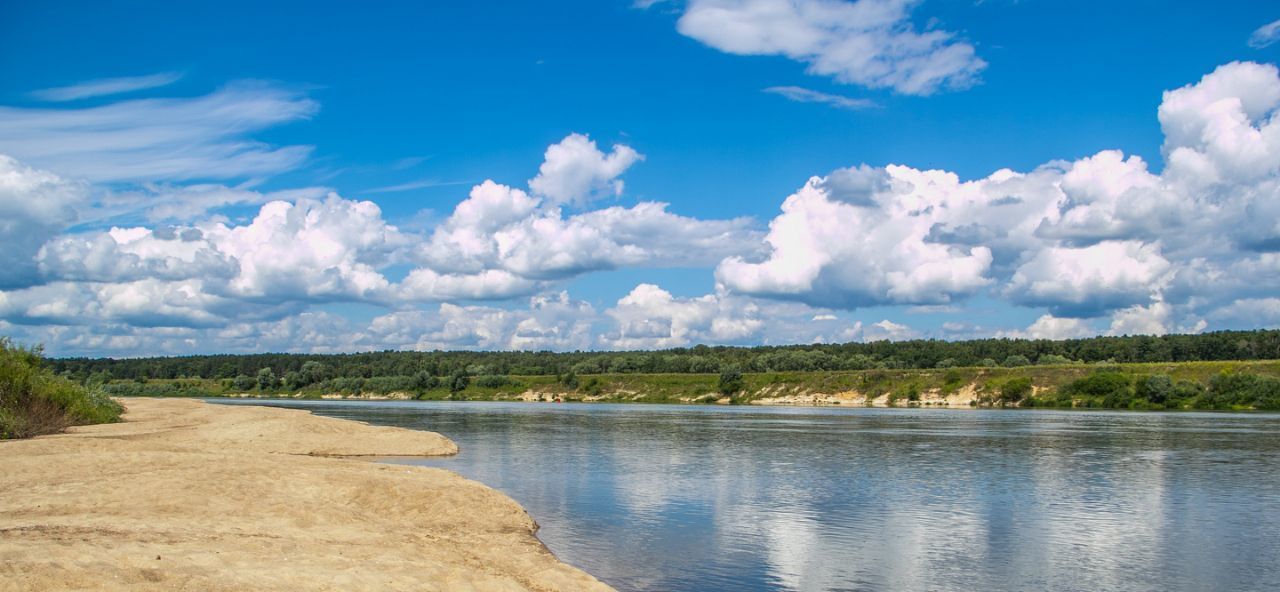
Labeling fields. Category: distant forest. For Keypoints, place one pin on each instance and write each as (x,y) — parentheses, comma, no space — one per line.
(1217,346)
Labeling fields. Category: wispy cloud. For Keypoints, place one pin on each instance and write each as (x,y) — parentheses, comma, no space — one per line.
(106,86)
(805,95)
(871,43)
(1265,35)
(169,139)
(421,184)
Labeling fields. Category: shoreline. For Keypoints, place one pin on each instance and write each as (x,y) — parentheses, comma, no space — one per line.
(186,495)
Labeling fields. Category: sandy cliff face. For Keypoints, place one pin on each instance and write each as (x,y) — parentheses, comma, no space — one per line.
(189,496)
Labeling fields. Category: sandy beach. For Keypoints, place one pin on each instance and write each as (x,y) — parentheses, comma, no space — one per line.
(184,495)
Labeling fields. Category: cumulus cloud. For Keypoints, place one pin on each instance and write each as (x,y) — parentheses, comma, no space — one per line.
(1051,327)
(827,251)
(575,171)
(35,206)
(867,42)
(549,322)
(1103,236)
(503,242)
(1085,282)
(651,318)
(160,139)
(191,269)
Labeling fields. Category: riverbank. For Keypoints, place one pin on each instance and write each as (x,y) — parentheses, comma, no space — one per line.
(185,495)
(1247,385)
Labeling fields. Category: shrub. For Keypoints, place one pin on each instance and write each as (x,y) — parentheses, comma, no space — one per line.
(458,382)
(1156,389)
(1015,390)
(498,381)
(730,381)
(570,381)
(1047,359)
(34,401)
(244,383)
(1015,361)
(1228,391)
(1102,389)
(424,381)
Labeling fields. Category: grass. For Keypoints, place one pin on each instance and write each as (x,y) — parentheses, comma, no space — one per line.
(34,401)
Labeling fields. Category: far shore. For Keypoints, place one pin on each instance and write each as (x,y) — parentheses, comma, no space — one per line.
(184,495)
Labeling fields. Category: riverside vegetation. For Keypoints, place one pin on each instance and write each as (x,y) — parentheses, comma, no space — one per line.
(1230,370)
(35,401)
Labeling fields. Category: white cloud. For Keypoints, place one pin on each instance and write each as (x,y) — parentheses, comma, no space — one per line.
(868,42)
(1101,236)
(306,250)
(1250,313)
(651,318)
(1051,327)
(160,139)
(805,95)
(503,242)
(829,252)
(1091,280)
(550,322)
(35,206)
(1265,35)
(107,86)
(886,330)
(575,171)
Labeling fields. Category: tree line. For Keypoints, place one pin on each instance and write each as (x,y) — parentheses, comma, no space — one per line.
(449,365)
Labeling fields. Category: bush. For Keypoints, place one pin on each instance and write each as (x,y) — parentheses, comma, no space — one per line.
(35,401)
(1156,389)
(1228,391)
(244,383)
(1048,359)
(1102,389)
(1015,361)
(424,381)
(458,382)
(498,381)
(730,381)
(570,381)
(1015,390)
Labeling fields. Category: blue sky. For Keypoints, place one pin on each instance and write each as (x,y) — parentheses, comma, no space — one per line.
(411,105)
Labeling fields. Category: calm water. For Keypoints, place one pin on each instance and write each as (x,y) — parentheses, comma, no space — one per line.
(714,498)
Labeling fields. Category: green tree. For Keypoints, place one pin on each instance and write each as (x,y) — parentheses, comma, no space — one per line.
(293,380)
(266,379)
(243,383)
(570,381)
(313,372)
(424,381)
(458,382)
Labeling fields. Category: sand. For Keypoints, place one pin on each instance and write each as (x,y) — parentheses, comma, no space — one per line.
(185,495)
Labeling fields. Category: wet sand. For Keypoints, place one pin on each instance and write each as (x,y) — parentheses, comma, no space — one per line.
(184,495)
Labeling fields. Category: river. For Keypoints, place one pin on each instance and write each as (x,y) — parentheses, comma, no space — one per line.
(692,498)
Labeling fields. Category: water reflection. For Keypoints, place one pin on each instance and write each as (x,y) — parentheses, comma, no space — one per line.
(702,498)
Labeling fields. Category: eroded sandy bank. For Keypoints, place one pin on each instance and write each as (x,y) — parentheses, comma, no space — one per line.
(189,496)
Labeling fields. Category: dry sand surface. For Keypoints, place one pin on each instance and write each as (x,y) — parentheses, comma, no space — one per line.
(189,496)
